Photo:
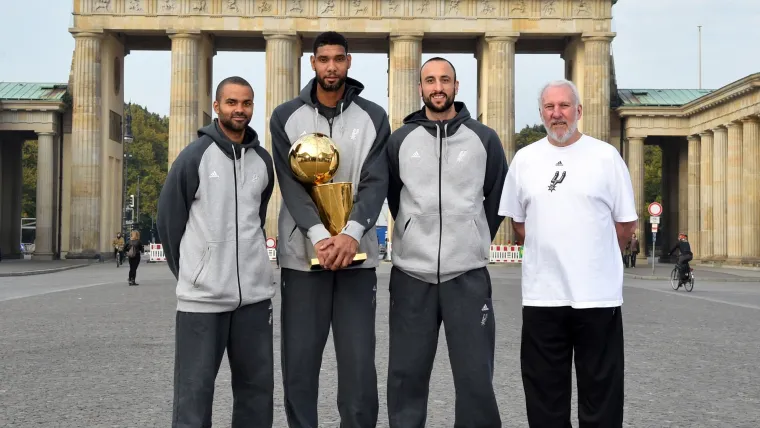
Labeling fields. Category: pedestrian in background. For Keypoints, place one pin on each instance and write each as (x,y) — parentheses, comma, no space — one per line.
(133,249)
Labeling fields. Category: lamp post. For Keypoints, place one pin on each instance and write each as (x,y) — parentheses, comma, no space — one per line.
(127,138)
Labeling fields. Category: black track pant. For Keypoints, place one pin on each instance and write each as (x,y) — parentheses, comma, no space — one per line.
(311,303)
(134,263)
(463,304)
(550,336)
(201,338)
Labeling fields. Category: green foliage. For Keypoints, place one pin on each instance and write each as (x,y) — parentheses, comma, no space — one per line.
(652,175)
(29,192)
(149,158)
(528,135)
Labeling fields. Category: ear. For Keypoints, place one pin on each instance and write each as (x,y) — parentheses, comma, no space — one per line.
(216,107)
(456,87)
(580,111)
(348,61)
(313,63)
(419,89)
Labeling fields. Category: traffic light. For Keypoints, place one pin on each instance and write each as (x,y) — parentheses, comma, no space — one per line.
(131,201)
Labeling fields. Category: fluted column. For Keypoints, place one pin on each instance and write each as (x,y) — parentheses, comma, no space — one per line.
(706,195)
(720,150)
(751,190)
(404,76)
(693,198)
(596,85)
(734,194)
(86,147)
(183,106)
(282,68)
(636,170)
(500,103)
(43,243)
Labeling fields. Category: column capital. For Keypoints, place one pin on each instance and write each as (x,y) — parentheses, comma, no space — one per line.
(751,119)
(693,137)
(45,133)
(92,33)
(598,37)
(733,124)
(410,35)
(284,35)
(509,36)
(719,128)
(706,133)
(636,138)
(184,34)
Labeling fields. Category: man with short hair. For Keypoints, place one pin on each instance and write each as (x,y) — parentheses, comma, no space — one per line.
(211,215)
(685,255)
(339,295)
(570,199)
(446,175)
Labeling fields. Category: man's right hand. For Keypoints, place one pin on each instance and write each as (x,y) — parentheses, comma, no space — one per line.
(322,249)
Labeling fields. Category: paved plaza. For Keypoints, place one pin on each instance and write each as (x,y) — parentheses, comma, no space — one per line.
(79,348)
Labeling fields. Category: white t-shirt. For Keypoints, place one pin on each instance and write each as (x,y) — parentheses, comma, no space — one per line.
(569,199)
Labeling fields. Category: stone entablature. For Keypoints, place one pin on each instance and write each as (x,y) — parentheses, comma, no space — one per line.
(353,9)
(728,104)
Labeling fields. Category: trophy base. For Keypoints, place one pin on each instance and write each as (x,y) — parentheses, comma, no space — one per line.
(359,258)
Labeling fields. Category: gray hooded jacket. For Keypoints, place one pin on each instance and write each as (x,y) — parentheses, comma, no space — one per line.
(445,185)
(211,215)
(360,129)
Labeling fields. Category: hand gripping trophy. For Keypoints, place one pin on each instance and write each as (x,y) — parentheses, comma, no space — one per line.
(314,159)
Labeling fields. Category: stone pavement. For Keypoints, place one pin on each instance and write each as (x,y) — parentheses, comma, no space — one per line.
(22,267)
(82,349)
(662,271)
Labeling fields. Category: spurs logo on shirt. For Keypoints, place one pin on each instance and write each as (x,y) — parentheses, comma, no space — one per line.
(555,181)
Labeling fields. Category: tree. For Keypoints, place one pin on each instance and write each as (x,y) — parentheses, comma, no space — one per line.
(529,134)
(150,157)
(652,175)
(29,166)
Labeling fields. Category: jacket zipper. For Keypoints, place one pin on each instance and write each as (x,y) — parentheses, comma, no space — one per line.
(237,232)
(440,204)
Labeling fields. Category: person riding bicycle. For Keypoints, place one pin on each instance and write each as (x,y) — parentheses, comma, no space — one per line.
(686,255)
(118,249)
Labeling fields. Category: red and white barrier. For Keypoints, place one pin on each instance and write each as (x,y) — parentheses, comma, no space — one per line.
(156,253)
(506,254)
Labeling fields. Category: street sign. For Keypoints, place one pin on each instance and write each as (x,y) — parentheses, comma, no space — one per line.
(654,219)
(270,243)
(654,228)
(655,209)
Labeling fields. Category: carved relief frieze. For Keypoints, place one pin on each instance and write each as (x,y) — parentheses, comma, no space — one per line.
(583,8)
(103,6)
(168,7)
(488,8)
(135,6)
(200,6)
(393,8)
(327,8)
(295,7)
(360,7)
(519,8)
(231,7)
(550,8)
(455,8)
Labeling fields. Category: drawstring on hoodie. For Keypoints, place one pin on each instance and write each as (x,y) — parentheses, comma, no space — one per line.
(445,149)
(342,120)
(242,162)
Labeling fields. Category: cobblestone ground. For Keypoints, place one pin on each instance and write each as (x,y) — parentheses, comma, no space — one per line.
(82,349)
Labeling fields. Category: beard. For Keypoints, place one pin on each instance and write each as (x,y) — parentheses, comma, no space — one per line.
(327,87)
(562,138)
(233,125)
(428,100)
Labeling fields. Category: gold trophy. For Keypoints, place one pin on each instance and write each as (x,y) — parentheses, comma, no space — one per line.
(314,159)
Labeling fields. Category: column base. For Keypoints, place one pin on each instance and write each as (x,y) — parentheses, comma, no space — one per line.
(87,255)
(750,261)
(734,261)
(43,256)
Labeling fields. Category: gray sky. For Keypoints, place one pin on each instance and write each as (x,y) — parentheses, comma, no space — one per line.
(655,47)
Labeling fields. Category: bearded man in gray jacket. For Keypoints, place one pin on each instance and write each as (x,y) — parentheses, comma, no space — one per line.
(211,215)
(447,171)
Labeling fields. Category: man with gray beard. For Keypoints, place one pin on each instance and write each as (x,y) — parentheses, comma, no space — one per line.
(570,199)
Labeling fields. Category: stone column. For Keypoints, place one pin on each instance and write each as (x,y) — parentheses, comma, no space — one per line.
(720,149)
(734,194)
(636,169)
(596,82)
(86,148)
(43,244)
(500,103)
(693,229)
(706,195)
(281,69)
(184,104)
(11,187)
(751,190)
(404,76)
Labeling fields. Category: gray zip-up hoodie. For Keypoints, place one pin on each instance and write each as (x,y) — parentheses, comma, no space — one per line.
(211,215)
(360,130)
(445,185)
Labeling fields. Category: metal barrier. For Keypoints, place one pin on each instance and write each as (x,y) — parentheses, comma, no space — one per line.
(506,254)
(156,253)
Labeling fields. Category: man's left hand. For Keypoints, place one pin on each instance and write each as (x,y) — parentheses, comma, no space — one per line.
(343,251)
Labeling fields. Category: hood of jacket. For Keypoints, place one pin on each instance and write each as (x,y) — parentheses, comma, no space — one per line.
(440,129)
(231,149)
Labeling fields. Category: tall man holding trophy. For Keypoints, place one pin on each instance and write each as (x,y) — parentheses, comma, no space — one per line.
(329,153)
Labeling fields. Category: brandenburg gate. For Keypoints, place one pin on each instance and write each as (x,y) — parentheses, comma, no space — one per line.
(194,30)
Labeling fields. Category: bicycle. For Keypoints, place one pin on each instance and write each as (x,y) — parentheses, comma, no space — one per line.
(676,279)
(119,256)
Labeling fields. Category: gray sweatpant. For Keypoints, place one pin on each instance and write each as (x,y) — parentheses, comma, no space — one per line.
(464,306)
(201,338)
